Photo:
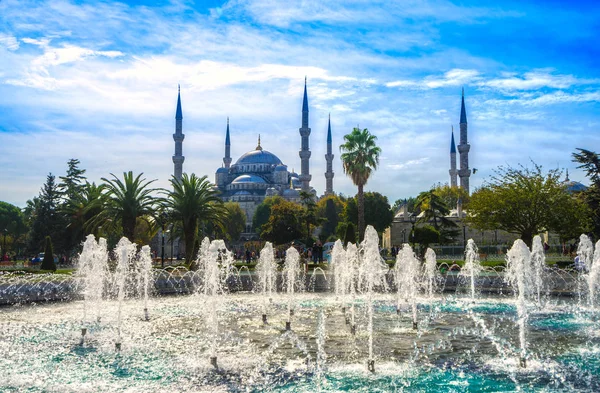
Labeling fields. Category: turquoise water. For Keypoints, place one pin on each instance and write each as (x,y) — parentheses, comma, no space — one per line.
(460,346)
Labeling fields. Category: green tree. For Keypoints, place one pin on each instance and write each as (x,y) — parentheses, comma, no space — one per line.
(235,221)
(44,215)
(263,212)
(127,201)
(590,162)
(525,202)
(360,158)
(192,202)
(48,262)
(330,210)
(72,184)
(309,214)
(285,223)
(71,189)
(451,195)
(426,235)
(12,226)
(434,210)
(349,234)
(378,212)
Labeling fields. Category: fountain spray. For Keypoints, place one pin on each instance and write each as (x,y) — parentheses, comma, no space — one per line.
(351,273)
(145,261)
(321,355)
(431,272)
(585,253)
(266,268)
(291,276)
(518,275)
(593,278)
(472,266)
(92,270)
(406,274)
(538,265)
(215,267)
(125,250)
(372,271)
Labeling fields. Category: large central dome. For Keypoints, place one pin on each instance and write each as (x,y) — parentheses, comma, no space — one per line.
(258,157)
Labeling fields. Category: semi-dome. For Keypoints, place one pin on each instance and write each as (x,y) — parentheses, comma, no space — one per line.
(258,157)
(291,193)
(248,179)
(222,170)
(280,168)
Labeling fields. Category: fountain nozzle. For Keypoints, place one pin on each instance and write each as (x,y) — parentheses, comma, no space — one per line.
(213,362)
(288,325)
(353,329)
(291,312)
(264,318)
(371,365)
(118,346)
(523,362)
(415,325)
(398,310)
(83,333)
(146,315)
(344,310)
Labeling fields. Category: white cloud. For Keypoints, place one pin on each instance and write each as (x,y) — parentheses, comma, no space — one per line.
(535,80)
(9,42)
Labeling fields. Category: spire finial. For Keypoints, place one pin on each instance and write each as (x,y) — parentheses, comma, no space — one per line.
(258,147)
(463,111)
(463,91)
(305,102)
(567,179)
(452,144)
(179,112)
(227,120)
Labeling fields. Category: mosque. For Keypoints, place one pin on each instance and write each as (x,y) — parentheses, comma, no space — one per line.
(259,173)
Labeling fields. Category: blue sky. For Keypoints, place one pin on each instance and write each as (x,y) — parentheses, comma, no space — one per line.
(98,81)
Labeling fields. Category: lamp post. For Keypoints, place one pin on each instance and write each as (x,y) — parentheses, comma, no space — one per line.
(413,220)
(172,240)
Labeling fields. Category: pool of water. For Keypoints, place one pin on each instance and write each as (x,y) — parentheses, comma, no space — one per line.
(459,346)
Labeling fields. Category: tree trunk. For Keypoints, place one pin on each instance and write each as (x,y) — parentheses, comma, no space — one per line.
(129,229)
(190,236)
(527,238)
(361,213)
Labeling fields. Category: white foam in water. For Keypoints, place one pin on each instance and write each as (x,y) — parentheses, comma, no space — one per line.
(520,278)
(538,266)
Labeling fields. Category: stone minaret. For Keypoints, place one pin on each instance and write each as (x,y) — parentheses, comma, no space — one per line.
(227,158)
(463,148)
(453,171)
(329,159)
(304,151)
(178,136)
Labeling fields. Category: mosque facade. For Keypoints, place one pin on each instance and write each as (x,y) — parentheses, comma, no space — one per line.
(259,173)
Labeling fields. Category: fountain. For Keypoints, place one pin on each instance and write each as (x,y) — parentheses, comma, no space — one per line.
(472,266)
(292,279)
(593,278)
(371,275)
(266,269)
(432,274)
(125,252)
(145,264)
(585,255)
(538,266)
(519,277)
(92,271)
(202,314)
(406,273)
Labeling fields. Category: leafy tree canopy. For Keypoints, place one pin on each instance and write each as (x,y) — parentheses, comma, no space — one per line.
(378,212)
(285,223)
(263,212)
(590,162)
(526,202)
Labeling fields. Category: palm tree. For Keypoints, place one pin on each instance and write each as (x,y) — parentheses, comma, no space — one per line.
(192,201)
(126,202)
(360,158)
